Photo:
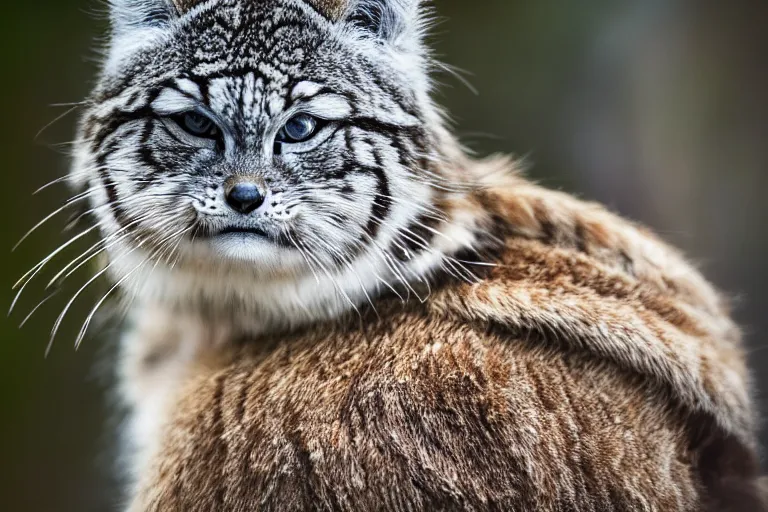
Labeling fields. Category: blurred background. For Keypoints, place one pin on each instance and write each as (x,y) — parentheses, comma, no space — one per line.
(658,108)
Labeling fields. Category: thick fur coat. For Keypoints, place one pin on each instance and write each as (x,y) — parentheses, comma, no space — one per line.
(591,369)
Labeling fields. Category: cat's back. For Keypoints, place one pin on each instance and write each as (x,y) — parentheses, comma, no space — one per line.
(421,414)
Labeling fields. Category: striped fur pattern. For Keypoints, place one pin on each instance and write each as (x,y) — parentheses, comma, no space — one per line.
(349,212)
(398,326)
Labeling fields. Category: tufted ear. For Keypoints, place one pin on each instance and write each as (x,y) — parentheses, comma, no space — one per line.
(127,15)
(395,21)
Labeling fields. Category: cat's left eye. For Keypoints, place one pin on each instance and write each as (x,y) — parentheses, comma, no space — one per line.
(299,128)
(197,125)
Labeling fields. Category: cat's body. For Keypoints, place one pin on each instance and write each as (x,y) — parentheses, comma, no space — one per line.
(590,370)
(336,309)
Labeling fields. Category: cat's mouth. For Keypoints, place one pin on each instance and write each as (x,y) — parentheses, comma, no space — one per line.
(233,230)
(233,233)
(238,236)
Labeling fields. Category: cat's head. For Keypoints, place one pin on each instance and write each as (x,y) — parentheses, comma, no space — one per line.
(259,149)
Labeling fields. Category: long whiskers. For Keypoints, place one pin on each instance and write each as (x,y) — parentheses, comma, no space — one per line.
(98,248)
(333,280)
(345,259)
(63,313)
(102,245)
(74,106)
(81,335)
(139,244)
(73,200)
(22,283)
(34,310)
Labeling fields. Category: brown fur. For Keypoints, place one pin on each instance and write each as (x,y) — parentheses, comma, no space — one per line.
(591,370)
(333,9)
(185,5)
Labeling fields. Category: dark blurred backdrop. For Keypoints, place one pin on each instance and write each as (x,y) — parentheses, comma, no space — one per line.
(658,108)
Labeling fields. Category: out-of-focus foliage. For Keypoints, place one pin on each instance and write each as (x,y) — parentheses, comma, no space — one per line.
(658,108)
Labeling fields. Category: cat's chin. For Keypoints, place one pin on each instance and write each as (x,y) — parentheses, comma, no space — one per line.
(235,251)
(245,246)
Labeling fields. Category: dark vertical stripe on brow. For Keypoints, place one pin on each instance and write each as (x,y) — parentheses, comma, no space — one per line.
(204,85)
(348,141)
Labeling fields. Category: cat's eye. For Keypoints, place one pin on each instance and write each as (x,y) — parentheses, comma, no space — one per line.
(299,128)
(197,125)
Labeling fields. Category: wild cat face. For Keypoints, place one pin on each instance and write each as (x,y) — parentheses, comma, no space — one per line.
(283,141)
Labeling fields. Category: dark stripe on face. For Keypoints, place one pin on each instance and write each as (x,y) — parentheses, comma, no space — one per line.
(324,89)
(380,208)
(113,199)
(370,124)
(172,84)
(146,155)
(381,202)
(114,120)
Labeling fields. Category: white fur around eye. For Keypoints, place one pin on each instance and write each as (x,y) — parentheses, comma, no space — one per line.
(328,106)
(189,87)
(305,89)
(170,102)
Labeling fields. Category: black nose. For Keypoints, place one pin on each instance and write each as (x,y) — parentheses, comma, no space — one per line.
(244,197)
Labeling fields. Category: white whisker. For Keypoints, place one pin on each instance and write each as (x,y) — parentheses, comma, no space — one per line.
(61,316)
(34,310)
(70,202)
(89,318)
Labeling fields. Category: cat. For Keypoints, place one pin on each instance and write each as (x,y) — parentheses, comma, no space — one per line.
(334,307)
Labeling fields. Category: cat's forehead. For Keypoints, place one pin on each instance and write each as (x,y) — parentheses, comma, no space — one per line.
(248,35)
(332,9)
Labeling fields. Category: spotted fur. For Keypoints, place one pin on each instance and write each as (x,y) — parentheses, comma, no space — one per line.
(410,329)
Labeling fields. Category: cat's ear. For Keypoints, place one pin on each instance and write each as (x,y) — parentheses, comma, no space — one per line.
(400,22)
(128,15)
